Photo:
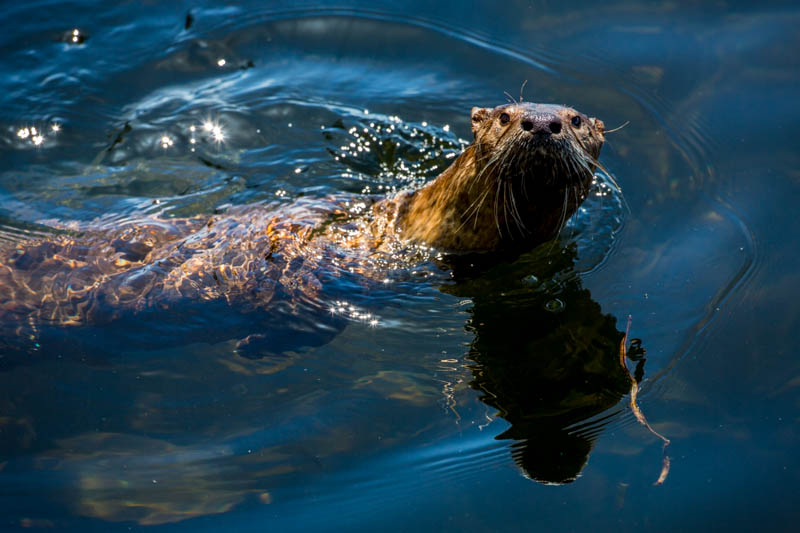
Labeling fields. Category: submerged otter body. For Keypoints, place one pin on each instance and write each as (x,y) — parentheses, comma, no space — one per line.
(528,169)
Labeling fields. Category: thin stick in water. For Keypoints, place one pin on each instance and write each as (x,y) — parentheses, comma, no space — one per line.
(638,412)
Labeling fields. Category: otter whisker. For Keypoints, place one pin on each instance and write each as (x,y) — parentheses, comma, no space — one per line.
(591,163)
(475,207)
(617,128)
(516,162)
(496,216)
(505,205)
(485,196)
(561,221)
(467,212)
(512,209)
(517,217)
(490,165)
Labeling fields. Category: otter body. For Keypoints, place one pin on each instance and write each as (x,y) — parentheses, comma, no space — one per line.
(528,169)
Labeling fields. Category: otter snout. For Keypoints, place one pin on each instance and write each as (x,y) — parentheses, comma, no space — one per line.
(548,127)
(541,123)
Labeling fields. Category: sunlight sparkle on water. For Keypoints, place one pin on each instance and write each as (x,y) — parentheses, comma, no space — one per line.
(347,310)
(36,136)
(215,130)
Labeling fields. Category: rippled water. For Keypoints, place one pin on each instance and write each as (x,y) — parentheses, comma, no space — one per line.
(492,400)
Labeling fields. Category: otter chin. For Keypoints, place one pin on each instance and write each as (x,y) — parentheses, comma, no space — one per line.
(527,171)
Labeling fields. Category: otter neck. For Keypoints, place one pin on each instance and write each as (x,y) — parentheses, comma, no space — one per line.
(456,212)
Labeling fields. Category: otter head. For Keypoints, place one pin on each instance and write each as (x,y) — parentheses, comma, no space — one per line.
(539,159)
(543,137)
(527,172)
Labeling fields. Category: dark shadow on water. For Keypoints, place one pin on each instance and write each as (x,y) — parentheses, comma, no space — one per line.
(546,357)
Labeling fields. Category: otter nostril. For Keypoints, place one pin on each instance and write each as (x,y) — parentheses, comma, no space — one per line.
(527,125)
(555,127)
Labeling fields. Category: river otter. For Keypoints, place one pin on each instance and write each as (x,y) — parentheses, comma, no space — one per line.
(526,172)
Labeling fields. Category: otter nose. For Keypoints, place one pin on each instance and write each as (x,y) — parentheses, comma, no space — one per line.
(542,124)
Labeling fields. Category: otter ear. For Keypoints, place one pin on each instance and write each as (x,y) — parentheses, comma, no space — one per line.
(478,115)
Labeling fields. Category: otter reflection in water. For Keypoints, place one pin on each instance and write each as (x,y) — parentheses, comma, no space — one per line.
(547,359)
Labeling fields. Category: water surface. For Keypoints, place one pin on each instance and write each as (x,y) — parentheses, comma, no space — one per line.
(491,402)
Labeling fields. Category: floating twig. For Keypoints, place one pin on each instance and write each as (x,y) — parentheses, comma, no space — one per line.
(638,412)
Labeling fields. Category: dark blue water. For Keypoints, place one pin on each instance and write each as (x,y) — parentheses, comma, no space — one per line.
(438,404)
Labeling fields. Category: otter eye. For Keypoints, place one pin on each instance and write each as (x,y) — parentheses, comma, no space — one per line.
(504,118)
(576,121)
